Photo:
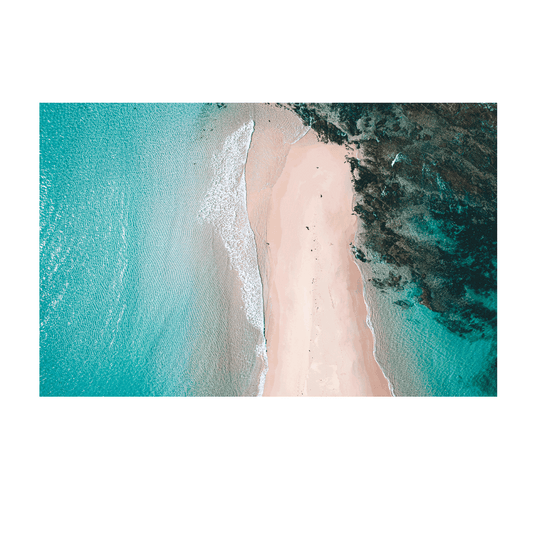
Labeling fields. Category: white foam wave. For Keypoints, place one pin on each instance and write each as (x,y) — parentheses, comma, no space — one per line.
(261,352)
(224,206)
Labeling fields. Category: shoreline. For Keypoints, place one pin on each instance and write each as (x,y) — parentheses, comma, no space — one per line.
(319,341)
(265,160)
(371,326)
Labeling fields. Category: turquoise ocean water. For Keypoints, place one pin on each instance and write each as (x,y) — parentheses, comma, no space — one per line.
(418,354)
(137,294)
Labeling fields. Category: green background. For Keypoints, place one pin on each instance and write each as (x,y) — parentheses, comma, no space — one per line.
(259,474)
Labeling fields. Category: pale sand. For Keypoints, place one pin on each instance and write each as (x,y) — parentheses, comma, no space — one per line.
(266,159)
(318,341)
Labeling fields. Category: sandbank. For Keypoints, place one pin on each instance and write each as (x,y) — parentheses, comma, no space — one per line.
(300,209)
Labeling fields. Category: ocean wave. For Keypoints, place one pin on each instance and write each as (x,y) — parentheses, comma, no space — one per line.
(224,206)
(261,353)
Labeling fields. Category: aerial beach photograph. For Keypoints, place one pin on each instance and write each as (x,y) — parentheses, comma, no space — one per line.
(268,249)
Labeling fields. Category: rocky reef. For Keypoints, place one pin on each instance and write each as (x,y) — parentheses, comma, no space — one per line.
(425,190)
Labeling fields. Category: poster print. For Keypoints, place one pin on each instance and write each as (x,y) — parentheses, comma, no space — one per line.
(268,249)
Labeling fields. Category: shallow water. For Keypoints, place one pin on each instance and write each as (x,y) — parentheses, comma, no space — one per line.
(137,296)
(419,355)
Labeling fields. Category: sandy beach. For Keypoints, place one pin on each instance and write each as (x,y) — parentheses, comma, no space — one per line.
(300,208)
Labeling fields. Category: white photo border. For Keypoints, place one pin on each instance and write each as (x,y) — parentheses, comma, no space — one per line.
(31,404)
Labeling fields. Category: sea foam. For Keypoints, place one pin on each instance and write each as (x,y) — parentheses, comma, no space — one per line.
(224,206)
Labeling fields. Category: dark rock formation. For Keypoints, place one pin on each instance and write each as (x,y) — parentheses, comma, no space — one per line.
(426,193)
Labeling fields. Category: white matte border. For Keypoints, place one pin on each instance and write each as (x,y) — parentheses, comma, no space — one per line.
(30,403)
